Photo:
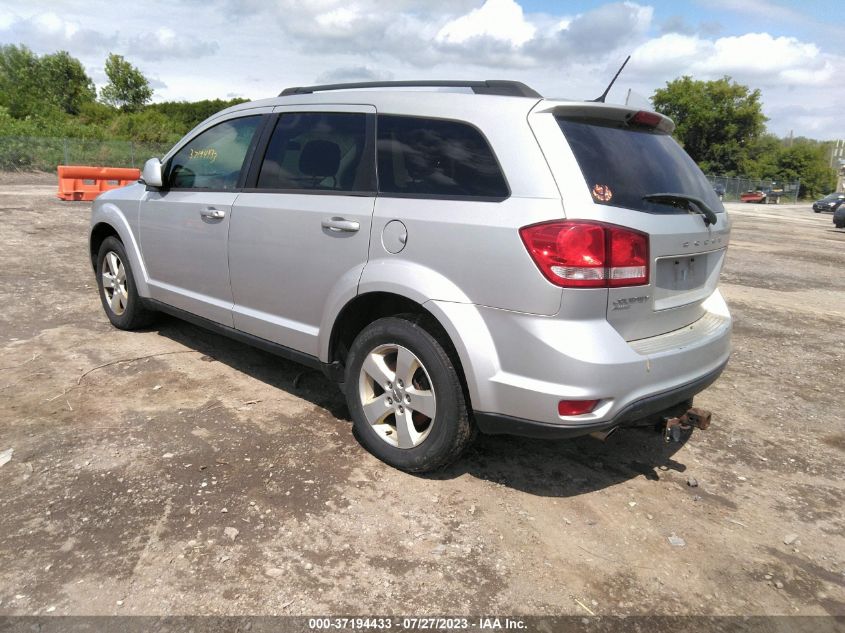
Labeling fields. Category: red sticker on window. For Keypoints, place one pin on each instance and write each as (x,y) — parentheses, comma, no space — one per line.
(602,193)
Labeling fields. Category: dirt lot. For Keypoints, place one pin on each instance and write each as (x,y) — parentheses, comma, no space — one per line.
(127,474)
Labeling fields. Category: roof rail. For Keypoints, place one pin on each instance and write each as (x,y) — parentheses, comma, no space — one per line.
(490,87)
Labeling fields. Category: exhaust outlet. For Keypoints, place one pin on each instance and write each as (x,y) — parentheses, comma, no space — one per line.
(603,435)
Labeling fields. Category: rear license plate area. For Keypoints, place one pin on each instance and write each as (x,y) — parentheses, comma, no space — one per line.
(682,273)
(685,279)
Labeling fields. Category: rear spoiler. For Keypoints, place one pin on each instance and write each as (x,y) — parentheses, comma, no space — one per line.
(608,113)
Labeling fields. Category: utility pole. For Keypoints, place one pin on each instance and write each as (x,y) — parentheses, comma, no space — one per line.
(837,152)
(837,162)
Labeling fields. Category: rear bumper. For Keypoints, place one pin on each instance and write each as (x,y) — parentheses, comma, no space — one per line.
(519,366)
(650,406)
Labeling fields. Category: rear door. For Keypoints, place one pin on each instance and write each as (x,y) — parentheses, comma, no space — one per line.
(301,228)
(607,160)
(184,226)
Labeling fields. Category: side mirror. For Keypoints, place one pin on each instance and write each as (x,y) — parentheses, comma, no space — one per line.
(151,175)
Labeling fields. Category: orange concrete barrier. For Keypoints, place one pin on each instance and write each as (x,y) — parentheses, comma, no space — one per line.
(86,183)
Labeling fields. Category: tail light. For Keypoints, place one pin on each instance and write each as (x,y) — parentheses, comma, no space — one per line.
(578,254)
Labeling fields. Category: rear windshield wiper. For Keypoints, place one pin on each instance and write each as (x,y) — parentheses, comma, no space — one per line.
(690,203)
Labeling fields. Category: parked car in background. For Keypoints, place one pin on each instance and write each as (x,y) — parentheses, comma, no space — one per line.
(754,195)
(839,217)
(454,261)
(830,202)
(762,196)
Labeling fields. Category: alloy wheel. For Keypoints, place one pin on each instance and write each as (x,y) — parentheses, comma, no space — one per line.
(114,283)
(397,396)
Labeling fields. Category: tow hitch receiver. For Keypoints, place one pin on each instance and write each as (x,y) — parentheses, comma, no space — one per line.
(694,417)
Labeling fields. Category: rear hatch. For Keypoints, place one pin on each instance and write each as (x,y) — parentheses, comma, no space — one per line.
(609,163)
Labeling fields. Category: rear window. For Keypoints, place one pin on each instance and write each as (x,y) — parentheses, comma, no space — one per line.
(436,158)
(622,164)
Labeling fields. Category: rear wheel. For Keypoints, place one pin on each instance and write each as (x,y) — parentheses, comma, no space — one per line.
(118,292)
(405,396)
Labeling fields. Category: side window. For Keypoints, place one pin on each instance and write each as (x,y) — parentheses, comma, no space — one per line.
(213,160)
(436,157)
(317,151)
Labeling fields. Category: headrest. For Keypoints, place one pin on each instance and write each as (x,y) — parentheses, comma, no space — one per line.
(319,159)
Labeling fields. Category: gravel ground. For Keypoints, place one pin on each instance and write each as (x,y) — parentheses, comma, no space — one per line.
(173,471)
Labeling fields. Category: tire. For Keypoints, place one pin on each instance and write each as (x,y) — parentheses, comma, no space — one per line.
(432,426)
(125,311)
(817,211)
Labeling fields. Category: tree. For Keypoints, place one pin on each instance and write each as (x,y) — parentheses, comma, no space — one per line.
(762,157)
(31,85)
(717,122)
(127,89)
(189,114)
(21,85)
(805,160)
(67,84)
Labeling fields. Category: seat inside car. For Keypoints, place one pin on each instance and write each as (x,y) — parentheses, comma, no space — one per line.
(320,161)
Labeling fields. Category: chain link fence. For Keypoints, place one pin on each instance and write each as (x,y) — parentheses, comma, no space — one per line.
(21,153)
(731,189)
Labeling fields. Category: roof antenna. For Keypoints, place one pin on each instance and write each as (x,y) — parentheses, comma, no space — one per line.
(612,81)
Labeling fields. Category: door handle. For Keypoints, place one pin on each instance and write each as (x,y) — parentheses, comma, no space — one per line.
(341,225)
(212,213)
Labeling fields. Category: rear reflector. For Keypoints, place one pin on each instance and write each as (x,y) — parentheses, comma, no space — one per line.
(575,407)
(578,254)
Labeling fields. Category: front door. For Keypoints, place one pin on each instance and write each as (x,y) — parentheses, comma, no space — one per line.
(184,226)
(301,229)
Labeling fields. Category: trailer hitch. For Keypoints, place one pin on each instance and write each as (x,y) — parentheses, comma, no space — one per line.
(694,417)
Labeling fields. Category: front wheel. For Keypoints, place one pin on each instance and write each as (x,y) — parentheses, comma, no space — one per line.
(405,396)
(118,292)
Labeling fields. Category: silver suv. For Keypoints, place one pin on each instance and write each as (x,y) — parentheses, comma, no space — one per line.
(469,257)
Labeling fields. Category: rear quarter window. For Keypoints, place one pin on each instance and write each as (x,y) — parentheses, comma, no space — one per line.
(436,158)
(622,164)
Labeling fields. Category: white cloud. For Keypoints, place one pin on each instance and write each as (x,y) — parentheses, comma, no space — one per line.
(211,48)
(165,43)
(758,58)
(498,19)
(342,18)
(599,33)
(346,74)
(47,32)
(54,25)
(670,51)
(759,53)
(814,121)
(7,18)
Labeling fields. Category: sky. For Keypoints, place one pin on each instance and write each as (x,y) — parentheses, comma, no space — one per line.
(793,52)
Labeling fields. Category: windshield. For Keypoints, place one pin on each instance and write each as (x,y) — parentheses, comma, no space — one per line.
(623,164)
(833,196)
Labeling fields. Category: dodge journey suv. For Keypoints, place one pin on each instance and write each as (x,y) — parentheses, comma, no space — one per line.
(471,258)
